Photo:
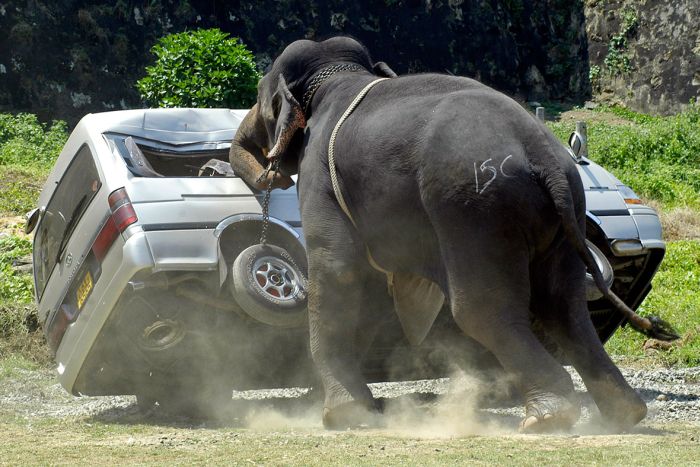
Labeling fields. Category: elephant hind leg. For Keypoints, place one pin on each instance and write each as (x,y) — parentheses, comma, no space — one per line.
(561,306)
(490,296)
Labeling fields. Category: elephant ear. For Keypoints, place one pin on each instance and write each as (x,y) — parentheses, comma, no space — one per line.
(289,120)
(382,69)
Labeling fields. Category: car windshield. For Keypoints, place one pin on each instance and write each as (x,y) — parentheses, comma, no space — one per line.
(73,194)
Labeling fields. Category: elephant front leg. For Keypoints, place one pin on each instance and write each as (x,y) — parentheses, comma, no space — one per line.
(336,279)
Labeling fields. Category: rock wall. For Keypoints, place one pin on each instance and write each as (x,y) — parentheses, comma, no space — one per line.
(655,66)
(64,58)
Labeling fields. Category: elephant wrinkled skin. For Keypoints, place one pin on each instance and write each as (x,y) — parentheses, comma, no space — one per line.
(448,180)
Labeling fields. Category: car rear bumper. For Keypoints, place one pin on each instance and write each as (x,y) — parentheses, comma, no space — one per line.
(119,266)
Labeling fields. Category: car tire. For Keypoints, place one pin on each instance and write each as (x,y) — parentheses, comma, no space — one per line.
(592,292)
(270,285)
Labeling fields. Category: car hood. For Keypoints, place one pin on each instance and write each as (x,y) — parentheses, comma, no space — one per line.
(602,193)
(594,177)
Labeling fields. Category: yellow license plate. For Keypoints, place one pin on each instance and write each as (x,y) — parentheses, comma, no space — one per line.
(84,290)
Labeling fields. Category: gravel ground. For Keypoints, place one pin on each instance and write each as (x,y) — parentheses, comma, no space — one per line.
(672,395)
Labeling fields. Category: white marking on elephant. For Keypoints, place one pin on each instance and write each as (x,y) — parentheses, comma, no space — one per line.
(502,163)
(484,167)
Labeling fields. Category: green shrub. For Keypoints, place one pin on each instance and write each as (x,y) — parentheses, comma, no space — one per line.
(25,141)
(202,68)
(19,189)
(15,287)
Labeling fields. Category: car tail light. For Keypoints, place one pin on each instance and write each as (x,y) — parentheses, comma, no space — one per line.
(65,315)
(122,215)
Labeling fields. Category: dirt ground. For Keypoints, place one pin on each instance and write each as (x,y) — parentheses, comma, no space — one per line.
(428,424)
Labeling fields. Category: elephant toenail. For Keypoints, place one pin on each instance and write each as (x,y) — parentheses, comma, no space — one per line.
(526,424)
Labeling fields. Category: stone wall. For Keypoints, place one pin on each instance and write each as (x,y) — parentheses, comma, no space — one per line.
(657,68)
(64,58)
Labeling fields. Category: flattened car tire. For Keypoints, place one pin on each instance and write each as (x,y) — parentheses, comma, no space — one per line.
(270,286)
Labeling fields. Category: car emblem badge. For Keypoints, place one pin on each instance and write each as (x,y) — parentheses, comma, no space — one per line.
(69,259)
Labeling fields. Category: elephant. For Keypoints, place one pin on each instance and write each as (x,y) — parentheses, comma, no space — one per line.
(437,184)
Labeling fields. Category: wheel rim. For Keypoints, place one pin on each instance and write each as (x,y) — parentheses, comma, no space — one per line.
(276,278)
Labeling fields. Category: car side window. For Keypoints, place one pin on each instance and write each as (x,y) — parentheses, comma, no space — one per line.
(74,193)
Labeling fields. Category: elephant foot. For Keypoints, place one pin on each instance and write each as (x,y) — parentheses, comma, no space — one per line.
(622,408)
(351,415)
(547,412)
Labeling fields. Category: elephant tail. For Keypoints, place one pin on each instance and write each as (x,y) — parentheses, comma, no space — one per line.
(559,189)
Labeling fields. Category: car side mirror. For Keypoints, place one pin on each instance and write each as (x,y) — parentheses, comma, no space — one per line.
(33,217)
(578,143)
(575,144)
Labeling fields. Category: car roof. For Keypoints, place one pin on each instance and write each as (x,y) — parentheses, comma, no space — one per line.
(170,126)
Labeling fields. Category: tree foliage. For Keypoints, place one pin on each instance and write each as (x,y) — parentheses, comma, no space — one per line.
(201,68)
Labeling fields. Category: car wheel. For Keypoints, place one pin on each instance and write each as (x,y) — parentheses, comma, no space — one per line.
(592,292)
(270,285)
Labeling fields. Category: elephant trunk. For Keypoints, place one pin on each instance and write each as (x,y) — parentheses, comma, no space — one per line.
(296,122)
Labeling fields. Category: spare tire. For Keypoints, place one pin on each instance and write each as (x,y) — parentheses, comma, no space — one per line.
(270,285)
(592,292)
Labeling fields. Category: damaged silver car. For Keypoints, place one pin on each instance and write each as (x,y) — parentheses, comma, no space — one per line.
(150,279)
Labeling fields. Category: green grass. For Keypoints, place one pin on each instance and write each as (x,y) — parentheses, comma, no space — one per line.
(24,141)
(28,150)
(82,441)
(676,298)
(19,189)
(14,286)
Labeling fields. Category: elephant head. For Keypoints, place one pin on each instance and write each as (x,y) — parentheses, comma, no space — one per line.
(271,128)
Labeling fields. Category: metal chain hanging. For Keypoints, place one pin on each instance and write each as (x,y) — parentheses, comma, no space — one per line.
(273,167)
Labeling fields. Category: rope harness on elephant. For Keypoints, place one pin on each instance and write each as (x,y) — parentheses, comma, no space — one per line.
(417,300)
(334,175)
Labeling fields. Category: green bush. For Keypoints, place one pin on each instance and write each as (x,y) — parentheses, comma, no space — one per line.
(15,287)
(25,141)
(659,157)
(19,189)
(202,68)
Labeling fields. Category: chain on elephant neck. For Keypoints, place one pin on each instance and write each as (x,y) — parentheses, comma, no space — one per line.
(322,76)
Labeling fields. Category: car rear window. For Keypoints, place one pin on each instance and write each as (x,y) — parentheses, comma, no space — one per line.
(145,158)
(73,195)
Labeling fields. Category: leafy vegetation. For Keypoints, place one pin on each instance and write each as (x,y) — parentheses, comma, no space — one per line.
(14,286)
(201,68)
(25,142)
(20,335)
(28,150)
(617,62)
(19,189)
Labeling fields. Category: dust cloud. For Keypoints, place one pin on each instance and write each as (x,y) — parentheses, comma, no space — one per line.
(454,414)
(457,412)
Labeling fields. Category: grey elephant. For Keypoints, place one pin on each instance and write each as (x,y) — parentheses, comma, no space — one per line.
(454,192)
